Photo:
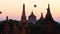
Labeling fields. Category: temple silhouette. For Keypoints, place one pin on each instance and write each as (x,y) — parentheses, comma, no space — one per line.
(45,25)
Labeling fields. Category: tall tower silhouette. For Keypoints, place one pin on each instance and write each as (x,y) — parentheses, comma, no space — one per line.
(7,27)
(48,15)
(23,25)
(23,17)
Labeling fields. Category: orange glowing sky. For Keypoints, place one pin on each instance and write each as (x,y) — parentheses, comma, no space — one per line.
(13,8)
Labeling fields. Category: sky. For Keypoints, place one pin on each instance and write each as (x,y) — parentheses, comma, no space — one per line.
(13,8)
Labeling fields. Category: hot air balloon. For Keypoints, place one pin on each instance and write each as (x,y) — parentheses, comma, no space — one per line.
(0,12)
(35,6)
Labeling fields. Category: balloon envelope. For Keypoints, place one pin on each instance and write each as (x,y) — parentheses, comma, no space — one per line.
(0,12)
(35,5)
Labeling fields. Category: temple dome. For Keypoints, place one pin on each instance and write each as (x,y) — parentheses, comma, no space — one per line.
(32,18)
(32,15)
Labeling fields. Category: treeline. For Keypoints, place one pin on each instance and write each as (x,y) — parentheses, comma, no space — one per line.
(34,28)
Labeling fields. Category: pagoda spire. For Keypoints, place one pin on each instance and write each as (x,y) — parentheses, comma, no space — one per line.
(7,27)
(23,9)
(48,15)
(48,9)
(23,17)
(48,24)
(42,15)
(23,23)
(6,18)
(41,20)
(32,12)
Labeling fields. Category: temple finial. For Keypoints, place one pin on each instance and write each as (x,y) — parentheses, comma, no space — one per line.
(23,13)
(32,12)
(7,18)
(41,14)
(48,5)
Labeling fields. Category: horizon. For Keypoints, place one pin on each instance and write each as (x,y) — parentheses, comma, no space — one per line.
(13,8)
